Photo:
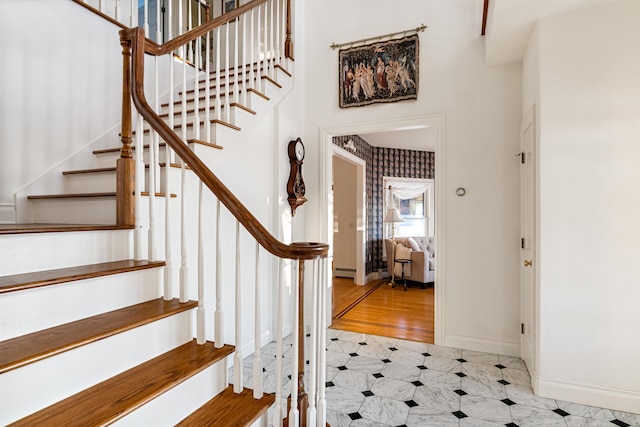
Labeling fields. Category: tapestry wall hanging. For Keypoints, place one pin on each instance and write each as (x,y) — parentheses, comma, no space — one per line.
(379,72)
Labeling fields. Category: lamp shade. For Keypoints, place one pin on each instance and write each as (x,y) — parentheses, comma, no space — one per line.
(393,215)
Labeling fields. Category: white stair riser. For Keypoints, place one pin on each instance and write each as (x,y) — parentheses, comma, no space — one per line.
(177,403)
(108,160)
(41,308)
(84,210)
(101,182)
(35,386)
(23,253)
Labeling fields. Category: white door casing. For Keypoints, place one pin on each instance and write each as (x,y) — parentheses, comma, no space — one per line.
(528,234)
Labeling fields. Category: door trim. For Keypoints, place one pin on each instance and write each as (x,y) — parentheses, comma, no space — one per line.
(437,121)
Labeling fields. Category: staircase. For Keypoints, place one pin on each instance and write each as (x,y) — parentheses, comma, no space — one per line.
(89,331)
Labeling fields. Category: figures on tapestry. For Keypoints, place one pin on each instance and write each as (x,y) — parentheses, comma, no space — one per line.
(382,72)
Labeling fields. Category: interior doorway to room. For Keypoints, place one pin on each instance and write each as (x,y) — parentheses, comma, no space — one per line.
(378,308)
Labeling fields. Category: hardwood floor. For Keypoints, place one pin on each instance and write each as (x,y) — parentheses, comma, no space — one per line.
(378,309)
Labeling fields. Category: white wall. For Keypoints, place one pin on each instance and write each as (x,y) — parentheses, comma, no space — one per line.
(49,77)
(344,214)
(482,108)
(586,83)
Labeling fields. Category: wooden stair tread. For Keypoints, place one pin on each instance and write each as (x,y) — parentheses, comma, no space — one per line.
(111,169)
(202,98)
(229,409)
(86,195)
(146,146)
(118,396)
(57,228)
(203,109)
(30,348)
(206,144)
(18,282)
(270,80)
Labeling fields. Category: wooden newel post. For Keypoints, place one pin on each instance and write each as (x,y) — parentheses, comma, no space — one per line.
(125,166)
(288,43)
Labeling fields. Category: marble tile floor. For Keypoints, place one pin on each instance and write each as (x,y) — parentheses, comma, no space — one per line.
(378,381)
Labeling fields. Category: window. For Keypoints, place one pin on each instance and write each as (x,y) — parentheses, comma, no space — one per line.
(414,198)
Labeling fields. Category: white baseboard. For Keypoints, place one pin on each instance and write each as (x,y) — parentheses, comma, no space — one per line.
(603,397)
(507,348)
(7,214)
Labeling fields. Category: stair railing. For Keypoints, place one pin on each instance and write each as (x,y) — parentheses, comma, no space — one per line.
(244,48)
(129,14)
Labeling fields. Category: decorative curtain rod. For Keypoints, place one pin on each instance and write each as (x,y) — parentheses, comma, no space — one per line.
(421,28)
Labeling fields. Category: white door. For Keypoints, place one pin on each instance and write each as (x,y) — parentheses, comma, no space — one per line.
(527,262)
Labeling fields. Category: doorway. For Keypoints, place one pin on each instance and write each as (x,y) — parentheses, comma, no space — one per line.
(436,122)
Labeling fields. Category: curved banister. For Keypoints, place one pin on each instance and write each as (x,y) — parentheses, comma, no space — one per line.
(135,40)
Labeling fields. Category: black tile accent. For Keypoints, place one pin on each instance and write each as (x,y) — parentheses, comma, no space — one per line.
(307,362)
(329,384)
(461,374)
(264,370)
(511,425)
(461,360)
(353,354)
(459,414)
(425,354)
(620,423)
(289,376)
(334,339)
(561,412)
(386,360)
(342,368)
(308,335)
(378,375)
(499,366)
(393,349)
(460,392)
(367,393)
(355,416)
(403,425)
(422,367)
(363,343)
(417,383)
(510,402)
(411,403)
(503,382)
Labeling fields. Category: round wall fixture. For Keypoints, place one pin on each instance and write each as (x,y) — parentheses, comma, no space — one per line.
(461,191)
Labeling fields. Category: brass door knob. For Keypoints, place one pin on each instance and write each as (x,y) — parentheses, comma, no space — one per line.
(528,263)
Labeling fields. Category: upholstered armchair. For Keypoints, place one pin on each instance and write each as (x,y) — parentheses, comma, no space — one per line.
(421,252)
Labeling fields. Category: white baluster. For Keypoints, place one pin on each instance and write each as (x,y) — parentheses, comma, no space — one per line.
(168,261)
(265,46)
(158,23)
(196,91)
(243,81)
(189,27)
(133,15)
(321,414)
(278,409)
(200,312)
(217,106)
(237,358)
(294,415)
(236,44)
(252,53)
(184,270)
(272,21)
(257,356)
(227,80)
(311,410)
(278,40)
(207,90)
(218,319)
(117,11)
(151,185)
(100,5)
(145,11)
(139,185)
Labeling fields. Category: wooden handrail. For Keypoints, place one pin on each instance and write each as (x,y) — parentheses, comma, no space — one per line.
(136,39)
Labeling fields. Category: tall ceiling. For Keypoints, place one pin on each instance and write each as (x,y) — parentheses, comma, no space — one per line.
(510,22)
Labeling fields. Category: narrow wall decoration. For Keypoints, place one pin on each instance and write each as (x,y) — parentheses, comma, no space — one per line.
(379,72)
